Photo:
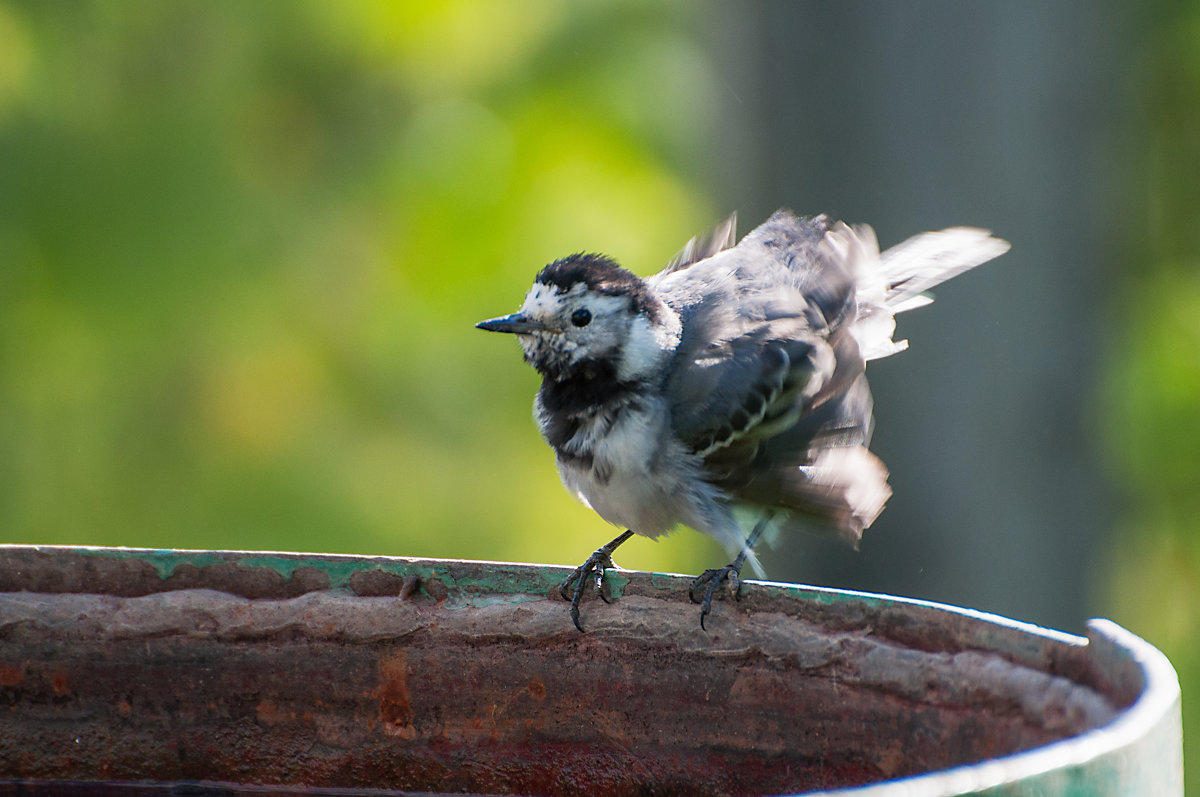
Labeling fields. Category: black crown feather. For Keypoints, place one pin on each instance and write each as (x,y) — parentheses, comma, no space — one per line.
(601,275)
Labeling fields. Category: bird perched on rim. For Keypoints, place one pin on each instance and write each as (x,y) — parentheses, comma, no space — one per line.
(729,385)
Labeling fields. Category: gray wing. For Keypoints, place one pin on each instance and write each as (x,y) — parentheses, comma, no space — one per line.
(763,325)
(767,376)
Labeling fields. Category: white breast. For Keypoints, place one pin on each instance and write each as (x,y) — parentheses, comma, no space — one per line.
(633,479)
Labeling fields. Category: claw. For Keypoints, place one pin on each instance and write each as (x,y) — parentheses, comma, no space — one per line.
(731,572)
(713,577)
(579,577)
(594,565)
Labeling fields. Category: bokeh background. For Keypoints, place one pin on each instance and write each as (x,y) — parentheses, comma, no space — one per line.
(243,245)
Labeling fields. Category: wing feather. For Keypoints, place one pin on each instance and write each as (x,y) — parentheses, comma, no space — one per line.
(702,247)
(763,370)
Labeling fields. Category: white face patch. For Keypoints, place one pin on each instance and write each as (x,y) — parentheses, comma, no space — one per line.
(610,318)
(546,302)
(607,332)
(611,332)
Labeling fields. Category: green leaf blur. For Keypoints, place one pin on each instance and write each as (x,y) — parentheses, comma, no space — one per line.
(1152,394)
(243,245)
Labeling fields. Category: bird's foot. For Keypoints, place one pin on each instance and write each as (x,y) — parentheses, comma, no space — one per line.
(713,577)
(591,570)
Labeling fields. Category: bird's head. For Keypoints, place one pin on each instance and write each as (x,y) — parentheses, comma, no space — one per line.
(585,310)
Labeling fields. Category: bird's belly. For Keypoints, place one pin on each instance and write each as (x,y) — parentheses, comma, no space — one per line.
(629,498)
(630,475)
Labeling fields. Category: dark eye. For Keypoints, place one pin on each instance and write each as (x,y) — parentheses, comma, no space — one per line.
(581,317)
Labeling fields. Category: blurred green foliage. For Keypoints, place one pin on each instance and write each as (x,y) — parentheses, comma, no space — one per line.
(242,247)
(1153,390)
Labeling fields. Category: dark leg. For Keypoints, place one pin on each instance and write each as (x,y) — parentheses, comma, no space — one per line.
(730,572)
(595,565)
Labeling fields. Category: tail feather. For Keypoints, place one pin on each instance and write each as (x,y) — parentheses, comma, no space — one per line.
(926,260)
(895,281)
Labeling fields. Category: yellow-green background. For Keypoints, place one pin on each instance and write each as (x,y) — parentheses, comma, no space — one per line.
(243,244)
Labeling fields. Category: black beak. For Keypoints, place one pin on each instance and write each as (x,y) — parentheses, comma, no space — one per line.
(516,323)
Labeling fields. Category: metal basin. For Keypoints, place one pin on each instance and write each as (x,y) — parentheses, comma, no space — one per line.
(232,672)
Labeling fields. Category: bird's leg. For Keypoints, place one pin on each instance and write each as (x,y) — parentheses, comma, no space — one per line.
(730,572)
(594,565)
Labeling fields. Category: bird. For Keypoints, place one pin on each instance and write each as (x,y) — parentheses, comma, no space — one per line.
(726,393)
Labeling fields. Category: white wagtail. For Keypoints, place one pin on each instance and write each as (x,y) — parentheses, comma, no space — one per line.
(732,383)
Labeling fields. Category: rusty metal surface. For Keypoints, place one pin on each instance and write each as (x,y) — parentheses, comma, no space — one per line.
(304,671)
